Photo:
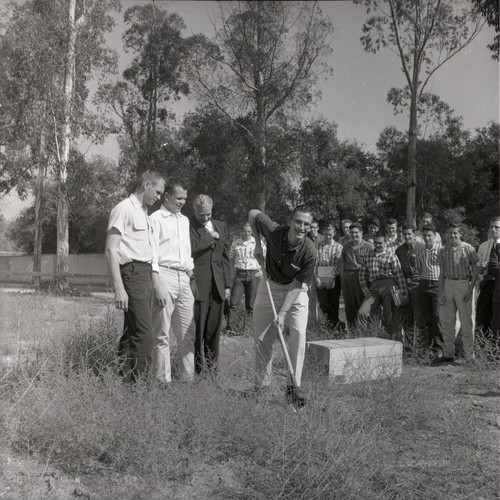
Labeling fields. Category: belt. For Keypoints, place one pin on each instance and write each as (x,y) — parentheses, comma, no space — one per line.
(457,279)
(140,262)
(173,268)
(428,281)
(351,270)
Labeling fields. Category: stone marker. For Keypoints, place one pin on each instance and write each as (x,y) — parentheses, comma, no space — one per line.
(354,360)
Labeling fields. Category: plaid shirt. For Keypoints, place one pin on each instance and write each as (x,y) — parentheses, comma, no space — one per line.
(329,255)
(428,262)
(383,265)
(392,245)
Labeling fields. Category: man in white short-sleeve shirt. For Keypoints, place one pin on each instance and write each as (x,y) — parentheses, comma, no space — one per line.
(129,252)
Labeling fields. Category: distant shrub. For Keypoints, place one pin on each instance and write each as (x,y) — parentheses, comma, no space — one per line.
(61,286)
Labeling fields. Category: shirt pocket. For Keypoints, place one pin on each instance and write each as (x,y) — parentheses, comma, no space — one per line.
(139,224)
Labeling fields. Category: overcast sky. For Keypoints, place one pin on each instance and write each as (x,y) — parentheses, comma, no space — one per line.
(354,96)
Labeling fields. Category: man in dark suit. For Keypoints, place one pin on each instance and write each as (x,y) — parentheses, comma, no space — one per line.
(210,250)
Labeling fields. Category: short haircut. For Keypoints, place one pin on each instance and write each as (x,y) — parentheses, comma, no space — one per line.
(495,219)
(306,209)
(328,226)
(429,227)
(455,225)
(202,200)
(356,225)
(246,224)
(373,220)
(407,226)
(380,234)
(427,215)
(174,183)
(346,221)
(389,222)
(150,175)
(314,221)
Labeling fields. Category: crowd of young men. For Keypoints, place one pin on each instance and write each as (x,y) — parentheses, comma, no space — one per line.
(172,274)
(435,282)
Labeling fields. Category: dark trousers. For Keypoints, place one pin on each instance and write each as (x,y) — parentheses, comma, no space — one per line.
(427,294)
(136,341)
(245,284)
(411,310)
(328,301)
(208,317)
(353,295)
(381,297)
(484,306)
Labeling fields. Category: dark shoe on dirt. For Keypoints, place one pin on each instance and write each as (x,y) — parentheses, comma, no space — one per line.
(442,361)
(293,397)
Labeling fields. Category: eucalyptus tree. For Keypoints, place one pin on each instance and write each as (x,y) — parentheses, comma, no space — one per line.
(154,38)
(425,35)
(263,62)
(51,49)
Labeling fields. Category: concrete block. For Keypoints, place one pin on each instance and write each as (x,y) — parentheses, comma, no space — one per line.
(355,360)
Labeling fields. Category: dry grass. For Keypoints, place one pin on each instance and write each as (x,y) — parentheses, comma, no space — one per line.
(431,433)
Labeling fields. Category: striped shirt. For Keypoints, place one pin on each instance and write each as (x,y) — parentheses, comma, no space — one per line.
(382,265)
(284,264)
(428,262)
(242,254)
(457,262)
(352,256)
(330,255)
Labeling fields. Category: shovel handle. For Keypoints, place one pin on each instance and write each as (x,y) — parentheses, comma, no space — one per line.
(280,334)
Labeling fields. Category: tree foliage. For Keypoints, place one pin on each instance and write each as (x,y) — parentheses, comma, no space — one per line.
(424,34)
(93,190)
(339,179)
(452,164)
(264,60)
(489,9)
(153,79)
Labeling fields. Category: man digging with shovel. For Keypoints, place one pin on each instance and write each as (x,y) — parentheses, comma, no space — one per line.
(282,296)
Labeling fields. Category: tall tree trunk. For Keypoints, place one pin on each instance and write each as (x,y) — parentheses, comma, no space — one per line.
(411,215)
(42,172)
(412,166)
(261,159)
(62,198)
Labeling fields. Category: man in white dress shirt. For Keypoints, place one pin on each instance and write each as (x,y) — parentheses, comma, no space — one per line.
(174,286)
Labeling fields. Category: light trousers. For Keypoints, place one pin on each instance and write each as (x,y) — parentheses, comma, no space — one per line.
(265,332)
(454,291)
(177,315)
